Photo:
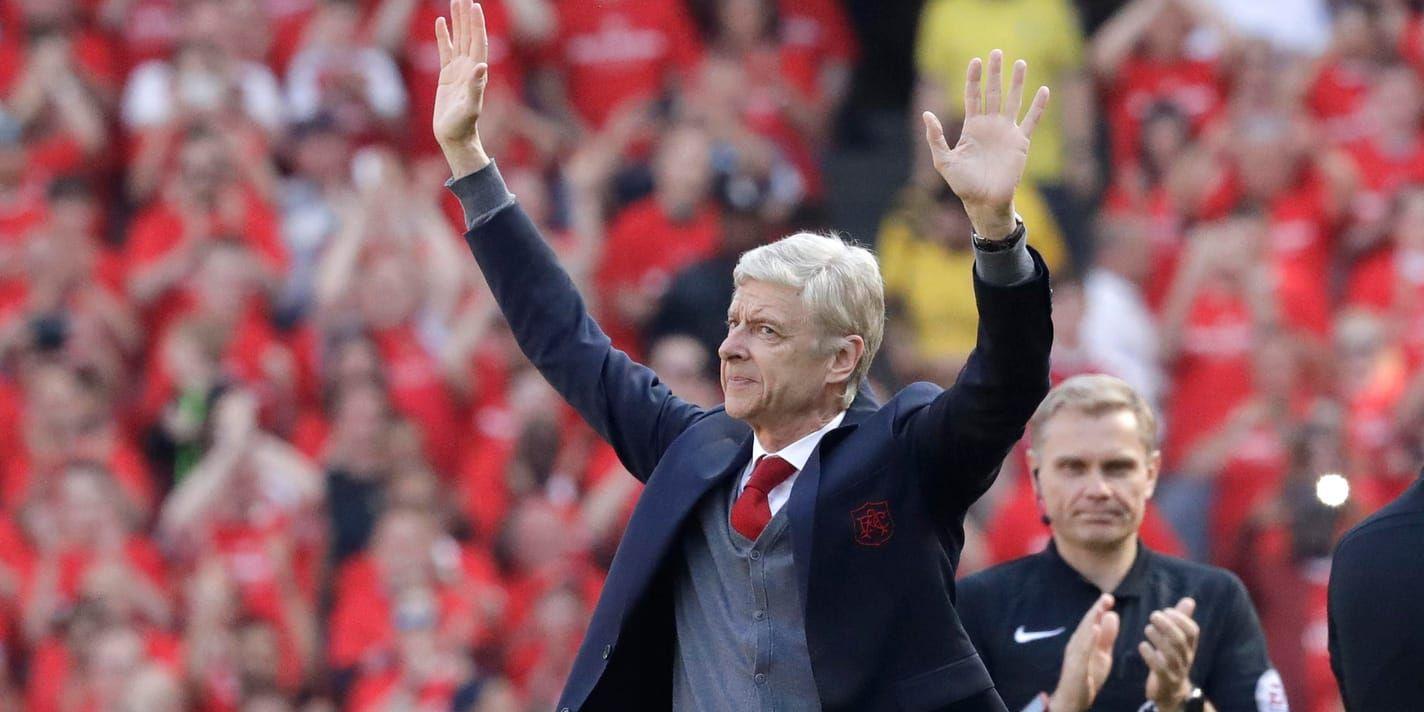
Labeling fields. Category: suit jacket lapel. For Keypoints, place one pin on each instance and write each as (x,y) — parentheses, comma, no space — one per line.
(663,507)
(802,504)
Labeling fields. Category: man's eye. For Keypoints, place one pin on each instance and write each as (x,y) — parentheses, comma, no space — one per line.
(767,331)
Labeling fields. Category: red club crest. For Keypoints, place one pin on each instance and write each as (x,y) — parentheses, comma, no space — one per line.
(872,524)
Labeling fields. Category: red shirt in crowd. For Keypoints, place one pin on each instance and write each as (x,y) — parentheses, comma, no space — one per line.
(814,34)
(645,250)
(617,51)
(1192,86)
(1381,173)
(1337,95)
(159,230)
(1212,375)
(422,61)
(418,390)
(1299,243)
(363,633)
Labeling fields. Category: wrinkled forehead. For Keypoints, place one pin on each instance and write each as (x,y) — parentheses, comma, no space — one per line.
(1078,435)
(753,298)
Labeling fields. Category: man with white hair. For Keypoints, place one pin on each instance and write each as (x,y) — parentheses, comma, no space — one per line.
(795,548)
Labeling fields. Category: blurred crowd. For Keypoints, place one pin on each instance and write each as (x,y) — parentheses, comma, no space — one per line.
(266,444)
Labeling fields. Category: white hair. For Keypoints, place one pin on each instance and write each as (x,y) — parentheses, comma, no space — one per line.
(839,283)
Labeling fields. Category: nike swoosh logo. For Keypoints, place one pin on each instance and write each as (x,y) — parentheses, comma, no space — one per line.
(1026,636)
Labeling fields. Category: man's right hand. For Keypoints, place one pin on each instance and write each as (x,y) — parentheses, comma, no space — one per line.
(464,74)
(1087,659)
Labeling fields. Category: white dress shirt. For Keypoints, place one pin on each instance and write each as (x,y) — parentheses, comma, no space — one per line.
(796,453)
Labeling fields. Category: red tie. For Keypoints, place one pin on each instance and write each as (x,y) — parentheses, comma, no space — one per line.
(751,512)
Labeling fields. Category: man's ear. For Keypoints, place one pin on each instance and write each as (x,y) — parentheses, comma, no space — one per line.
(1154,468)
(848,353)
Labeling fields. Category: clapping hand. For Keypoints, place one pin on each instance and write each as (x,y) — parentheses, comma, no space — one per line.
(1087,659)
(987,163)
(1169,650)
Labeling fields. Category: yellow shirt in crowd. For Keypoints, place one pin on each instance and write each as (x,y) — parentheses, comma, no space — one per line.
(933,285)
(1044,33)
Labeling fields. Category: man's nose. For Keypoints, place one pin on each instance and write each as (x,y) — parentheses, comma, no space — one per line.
(1097,485)
(732,347)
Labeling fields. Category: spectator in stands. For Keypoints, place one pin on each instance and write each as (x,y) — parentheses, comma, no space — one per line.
(1119,328)
(356,84)
(650,240)
(1047,35)
(206,77)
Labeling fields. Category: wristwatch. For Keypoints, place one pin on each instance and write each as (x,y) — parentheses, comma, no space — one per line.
(1195,702)
(1006,243)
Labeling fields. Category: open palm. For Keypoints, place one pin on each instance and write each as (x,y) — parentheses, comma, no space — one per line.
(985,166)
(464,73)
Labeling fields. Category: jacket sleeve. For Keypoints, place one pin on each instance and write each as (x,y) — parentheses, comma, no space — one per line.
(621,399)
(959,440)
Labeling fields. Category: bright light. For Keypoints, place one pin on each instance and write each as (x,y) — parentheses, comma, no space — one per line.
(1332,489)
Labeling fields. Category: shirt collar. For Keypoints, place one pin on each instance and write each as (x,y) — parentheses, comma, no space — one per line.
(1133,585)
(799,452)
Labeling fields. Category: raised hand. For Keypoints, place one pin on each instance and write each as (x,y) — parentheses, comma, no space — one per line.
(985,166)
(1169,650)
(464,74)
(1087,659)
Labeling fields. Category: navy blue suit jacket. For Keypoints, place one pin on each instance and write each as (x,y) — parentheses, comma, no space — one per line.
(876,515)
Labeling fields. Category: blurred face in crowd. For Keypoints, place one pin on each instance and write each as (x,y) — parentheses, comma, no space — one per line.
(258,654)
(47,13)
(225,279)
(13,162)
(1093,477)
(745,23)
(1397,102)
(114,656)
(402,548)
(390,293)
(61,415)
(153,689)
(1267,160)
(1275,367)
(1165,134)
(356,360)
(773,365)
(324,155)
(1167,35)
(681,363)
(683,170)
(1409,218)
(203,168)
(86,506)
(537,536)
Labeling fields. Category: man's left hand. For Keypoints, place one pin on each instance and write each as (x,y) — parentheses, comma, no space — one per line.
(985,166)
(1169,650)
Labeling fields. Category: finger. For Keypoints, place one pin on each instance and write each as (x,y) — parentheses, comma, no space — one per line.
(1153,657)
(1173,649)
(994,83)
(1035,111)
(1187,605)
(479,47)
(1107,631)
(934,132)
(1186,624)
(460,25)
(1169,635)
(1014,100)
(971,88)
(442,41)
(477,79)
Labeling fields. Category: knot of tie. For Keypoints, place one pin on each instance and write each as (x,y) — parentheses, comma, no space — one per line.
(751,512)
